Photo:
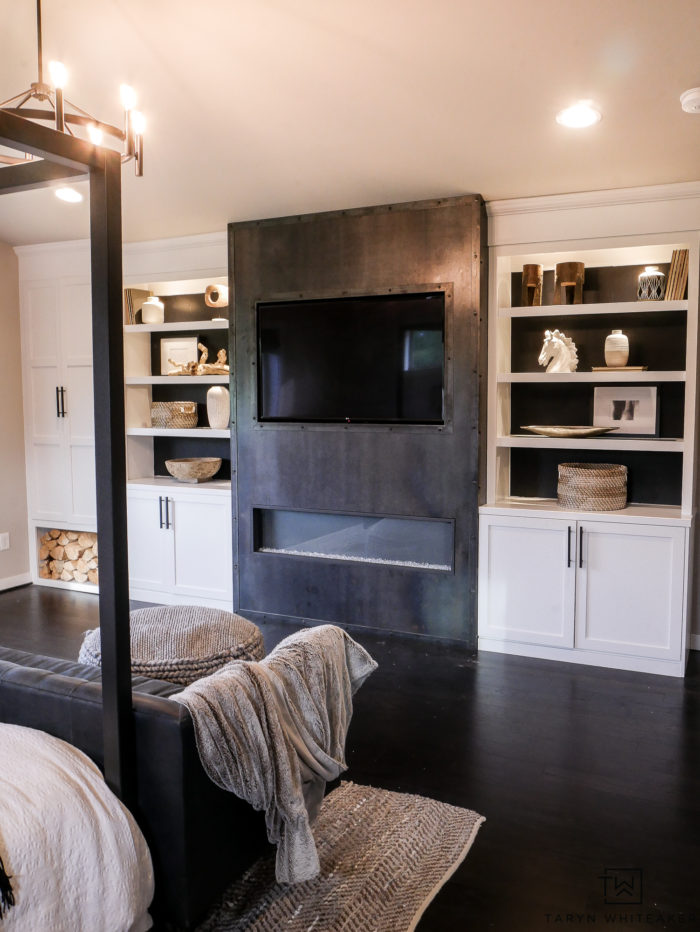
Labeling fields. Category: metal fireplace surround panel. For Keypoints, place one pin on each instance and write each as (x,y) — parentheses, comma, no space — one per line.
(409,471)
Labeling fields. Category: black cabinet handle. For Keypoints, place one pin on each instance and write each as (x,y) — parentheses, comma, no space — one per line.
(63,401)
(580,548)
(58,406)
(568,546)
(160,509)
(167,513)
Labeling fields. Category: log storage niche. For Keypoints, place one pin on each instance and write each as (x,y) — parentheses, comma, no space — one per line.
(68,556)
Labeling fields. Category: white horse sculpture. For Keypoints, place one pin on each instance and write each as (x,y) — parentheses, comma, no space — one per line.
(559,351)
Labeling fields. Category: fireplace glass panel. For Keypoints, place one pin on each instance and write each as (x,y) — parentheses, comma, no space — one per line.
(420,543)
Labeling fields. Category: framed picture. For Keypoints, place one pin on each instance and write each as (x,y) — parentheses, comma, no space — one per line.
(180,350)
(632,409)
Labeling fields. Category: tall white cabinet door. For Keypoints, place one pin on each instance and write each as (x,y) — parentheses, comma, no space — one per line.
(630,589)
(76,352)
(203,551)
(527,580)
(150,542)
(47,468)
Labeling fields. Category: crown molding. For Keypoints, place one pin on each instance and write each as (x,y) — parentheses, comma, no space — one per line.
(651,210)
(614,197)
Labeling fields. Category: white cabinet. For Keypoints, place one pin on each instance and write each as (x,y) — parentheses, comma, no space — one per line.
(180,547)
(58,402)
(585,590)
(526,592)
(629,589)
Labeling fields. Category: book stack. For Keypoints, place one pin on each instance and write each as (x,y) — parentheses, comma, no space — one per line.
(677,276)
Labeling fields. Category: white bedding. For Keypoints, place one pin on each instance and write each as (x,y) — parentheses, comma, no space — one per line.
(77,860)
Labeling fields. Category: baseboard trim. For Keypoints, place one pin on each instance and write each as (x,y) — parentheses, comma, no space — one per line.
(11,582)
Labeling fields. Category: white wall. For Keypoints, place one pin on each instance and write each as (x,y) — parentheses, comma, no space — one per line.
(14,563)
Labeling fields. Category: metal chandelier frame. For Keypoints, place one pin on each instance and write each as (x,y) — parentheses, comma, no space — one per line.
(66,115)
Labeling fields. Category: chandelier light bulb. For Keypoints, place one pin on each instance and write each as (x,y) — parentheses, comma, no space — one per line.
(138,122)
(579,115)
(95,134)
(69,194)
(59,74)
(128,96)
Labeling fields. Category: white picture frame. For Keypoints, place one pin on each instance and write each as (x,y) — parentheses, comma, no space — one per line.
(180,349)
(631,409)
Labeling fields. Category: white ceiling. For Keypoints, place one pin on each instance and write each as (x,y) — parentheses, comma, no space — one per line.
(263,108)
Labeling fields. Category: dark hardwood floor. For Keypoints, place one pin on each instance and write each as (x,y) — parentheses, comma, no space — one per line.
(583,774)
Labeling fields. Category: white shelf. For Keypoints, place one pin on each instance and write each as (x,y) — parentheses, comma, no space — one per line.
(176,380)
(203,433)
(585,310)
(192,325)
(167,482)
(671,375)
(550,508)
(609,444)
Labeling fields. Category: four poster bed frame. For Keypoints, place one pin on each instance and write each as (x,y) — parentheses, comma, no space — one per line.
(61,157)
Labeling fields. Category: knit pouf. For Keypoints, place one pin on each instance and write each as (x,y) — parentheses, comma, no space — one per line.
(182,643)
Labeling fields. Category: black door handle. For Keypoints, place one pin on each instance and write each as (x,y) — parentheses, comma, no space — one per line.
(58,406)
(160,509)
(580,548)
(167,513)
(568,546)
(63,401)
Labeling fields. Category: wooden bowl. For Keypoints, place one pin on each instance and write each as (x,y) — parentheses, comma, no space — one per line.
(194,468)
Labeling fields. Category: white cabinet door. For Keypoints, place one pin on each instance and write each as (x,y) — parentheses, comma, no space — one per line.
(526,580)
(630,589)
(150,541)
(57,351)
(202,545)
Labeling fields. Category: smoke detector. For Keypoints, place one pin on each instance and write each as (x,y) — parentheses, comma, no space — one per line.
(690,100)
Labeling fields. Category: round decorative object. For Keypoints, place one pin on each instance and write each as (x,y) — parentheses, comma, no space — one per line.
(651,284)
(592,486)
(218,407)
(194,468)
(174,414)
(152,311)
(617,349)
(182,643)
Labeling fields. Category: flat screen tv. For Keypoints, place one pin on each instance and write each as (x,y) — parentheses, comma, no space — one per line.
(377,359)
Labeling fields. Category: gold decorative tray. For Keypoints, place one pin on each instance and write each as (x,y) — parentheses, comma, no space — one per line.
(566,430)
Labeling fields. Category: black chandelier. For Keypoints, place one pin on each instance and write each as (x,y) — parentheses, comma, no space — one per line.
(67,117)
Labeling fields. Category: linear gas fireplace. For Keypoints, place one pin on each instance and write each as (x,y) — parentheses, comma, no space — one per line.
(418,543)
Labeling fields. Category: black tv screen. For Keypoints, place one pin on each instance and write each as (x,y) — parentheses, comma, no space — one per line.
(372,359)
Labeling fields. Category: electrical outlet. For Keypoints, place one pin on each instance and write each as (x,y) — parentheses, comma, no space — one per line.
(5,540)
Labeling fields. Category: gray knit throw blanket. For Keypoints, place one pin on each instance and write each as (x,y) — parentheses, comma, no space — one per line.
(273,732)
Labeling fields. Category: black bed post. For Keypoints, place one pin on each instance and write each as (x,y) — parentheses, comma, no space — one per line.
(64,156)
(110,468)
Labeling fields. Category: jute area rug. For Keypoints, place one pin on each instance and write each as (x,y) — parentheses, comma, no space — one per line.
(383,857)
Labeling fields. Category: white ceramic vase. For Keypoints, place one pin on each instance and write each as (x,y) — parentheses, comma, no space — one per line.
(152,311)
(617,349)
(218,407)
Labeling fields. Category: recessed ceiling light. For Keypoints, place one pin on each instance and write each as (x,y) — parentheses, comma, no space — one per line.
(69,194)
(690,100)
(580,115)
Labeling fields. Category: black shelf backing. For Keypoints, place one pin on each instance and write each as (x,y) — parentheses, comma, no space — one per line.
(571,403)
(606,283)
(652,479)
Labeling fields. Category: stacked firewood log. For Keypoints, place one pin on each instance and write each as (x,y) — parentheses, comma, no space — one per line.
(68,555)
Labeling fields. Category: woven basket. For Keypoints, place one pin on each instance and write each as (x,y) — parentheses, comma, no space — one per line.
(174,414)
(592,486)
